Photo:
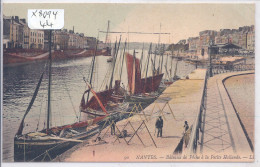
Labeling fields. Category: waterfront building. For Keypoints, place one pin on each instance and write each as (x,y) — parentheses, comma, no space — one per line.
(193,43)
(17,34)
(251,41)
(206,38)
(91,42)
(72,44)
(26,33)
(36,39)
(85,42)
(223,37)
(243,37)
(61,39)
(12,31)
(46,39)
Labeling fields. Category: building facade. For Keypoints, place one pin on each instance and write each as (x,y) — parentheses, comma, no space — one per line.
(17,34)
(12,31)
(61,39)
(36,39)
(243,37)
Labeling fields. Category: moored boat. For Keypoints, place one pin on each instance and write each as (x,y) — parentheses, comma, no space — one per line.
(46,144)
(141,90)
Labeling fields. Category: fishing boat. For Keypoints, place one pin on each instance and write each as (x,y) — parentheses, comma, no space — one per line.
(171,76)
(46,144)
(93,109)
(111,97)
(142,90)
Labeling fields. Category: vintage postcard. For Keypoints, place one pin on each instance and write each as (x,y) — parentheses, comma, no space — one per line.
(128,82)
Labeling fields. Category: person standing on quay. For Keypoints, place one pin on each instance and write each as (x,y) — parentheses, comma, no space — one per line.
(186,126)
(186,134)
(159,126)
(113,130)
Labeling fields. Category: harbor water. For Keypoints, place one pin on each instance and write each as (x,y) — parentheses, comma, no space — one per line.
(68,86)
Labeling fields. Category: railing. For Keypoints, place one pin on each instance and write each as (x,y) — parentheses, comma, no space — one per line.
(218,69)
(196,128)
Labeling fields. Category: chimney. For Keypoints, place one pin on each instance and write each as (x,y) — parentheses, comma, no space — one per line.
(23,20)
(16,18)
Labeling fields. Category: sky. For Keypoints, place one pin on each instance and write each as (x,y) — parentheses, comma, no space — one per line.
(180,20)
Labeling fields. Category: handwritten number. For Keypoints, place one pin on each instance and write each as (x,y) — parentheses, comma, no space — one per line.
(34,13)
(44,15)
(49,24)
(55,14)
(40,13)
(43,25)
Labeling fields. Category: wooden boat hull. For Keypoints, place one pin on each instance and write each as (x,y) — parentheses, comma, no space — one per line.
(35,150)
(110,109)
(151,84)
(46,150)
(143,100)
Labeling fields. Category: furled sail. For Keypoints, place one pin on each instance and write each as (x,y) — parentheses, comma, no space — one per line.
(20,130)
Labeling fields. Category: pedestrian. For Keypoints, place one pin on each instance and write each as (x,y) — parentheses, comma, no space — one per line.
(186,126)
(113,130)
(159,126)
(186,135)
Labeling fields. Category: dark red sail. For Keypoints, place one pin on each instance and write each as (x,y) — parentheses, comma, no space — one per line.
(136,84)
(134,74)
(104,97)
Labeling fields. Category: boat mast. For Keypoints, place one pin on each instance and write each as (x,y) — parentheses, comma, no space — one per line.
(162,57)
(108,35)
(159,36)
(93,64)
(122,61)
(49,86)
(166,66)
(176,65)
(133,75)
(167,60)
(155,54)
(175,71)
(141,59)
(114,63)
(148,62)
(159,63)
(171,64)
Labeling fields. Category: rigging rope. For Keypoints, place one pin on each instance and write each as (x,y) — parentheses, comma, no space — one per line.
(66,88)
(61,123)
(39,114)
(105,80)
(116,69)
